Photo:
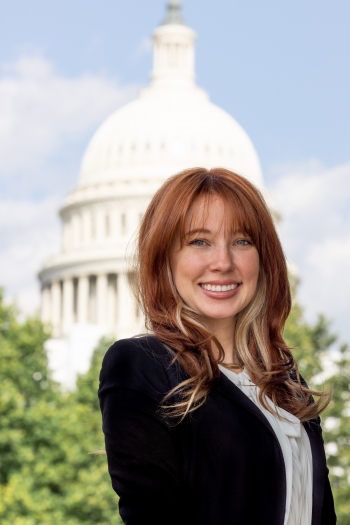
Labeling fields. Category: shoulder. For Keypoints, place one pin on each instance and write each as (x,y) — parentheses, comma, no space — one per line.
(136,352)
(140,363)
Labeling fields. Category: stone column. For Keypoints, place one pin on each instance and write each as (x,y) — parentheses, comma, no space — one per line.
(67,320)
(101,297)
(125,302)
(112,302)
(46,304)
(56,308)
(83,299)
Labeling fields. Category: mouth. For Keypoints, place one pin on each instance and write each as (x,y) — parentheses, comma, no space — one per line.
(219,288)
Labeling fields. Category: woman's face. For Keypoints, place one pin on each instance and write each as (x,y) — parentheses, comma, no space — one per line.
(215,272)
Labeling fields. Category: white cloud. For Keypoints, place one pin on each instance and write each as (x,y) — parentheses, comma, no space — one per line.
(42,112)
(29,232)
(314,202)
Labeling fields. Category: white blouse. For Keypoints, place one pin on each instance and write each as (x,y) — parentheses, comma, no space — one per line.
(296,451)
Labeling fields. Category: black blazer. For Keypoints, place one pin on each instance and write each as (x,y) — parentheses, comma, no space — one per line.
(222,465)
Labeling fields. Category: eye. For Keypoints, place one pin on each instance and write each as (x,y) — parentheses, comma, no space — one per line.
(243,242)
(198,242)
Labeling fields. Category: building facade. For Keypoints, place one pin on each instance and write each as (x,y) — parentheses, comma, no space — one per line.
(172,125)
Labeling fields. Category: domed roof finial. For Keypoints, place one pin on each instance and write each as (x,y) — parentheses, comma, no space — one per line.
(174,13)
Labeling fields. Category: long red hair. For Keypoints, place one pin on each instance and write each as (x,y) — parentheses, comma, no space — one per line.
(258,335)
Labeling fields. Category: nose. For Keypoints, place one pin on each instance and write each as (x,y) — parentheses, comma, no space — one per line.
(222,259)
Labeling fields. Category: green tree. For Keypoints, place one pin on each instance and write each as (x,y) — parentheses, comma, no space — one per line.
(24,382)
(47,473)
(311,344)
(337,435)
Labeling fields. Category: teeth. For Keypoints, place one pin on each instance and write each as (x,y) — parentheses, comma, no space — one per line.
(218,288)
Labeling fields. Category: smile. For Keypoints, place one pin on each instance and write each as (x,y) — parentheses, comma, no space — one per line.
(218,288)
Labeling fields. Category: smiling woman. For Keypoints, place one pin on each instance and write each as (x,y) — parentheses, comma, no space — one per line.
(207,419)
(215,270)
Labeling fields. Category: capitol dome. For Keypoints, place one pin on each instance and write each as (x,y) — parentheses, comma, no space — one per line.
(166,130)
(171,126)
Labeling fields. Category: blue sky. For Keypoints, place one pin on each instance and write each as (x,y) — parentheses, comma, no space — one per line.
(280,68)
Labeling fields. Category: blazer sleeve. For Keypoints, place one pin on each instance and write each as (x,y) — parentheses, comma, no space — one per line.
(141,448)
(329,516)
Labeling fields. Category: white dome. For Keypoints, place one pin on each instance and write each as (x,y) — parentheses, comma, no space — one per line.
(164,131)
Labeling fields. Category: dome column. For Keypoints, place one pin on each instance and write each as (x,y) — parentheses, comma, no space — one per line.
(83,299)
(112,302)
(125,306)
(56,308)
(101,293)
(46,304)
(67,300)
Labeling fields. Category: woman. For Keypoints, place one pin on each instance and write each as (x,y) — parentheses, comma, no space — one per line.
(202,419)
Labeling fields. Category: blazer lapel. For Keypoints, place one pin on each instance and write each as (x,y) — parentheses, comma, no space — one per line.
(229,389)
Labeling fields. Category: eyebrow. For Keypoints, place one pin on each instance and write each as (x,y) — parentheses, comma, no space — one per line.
(197,230)
(203,230)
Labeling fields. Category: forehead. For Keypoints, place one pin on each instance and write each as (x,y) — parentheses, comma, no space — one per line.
(212,212)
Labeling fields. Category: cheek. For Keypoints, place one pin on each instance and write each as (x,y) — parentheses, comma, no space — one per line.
(256,273)
(186,266)
(251,267)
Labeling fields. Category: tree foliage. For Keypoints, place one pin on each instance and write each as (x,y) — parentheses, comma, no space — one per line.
(47,474)
(311,345)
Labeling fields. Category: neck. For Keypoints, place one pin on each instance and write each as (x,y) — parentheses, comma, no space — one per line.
(223,330)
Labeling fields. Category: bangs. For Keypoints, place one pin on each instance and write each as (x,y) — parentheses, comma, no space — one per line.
(239,214)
